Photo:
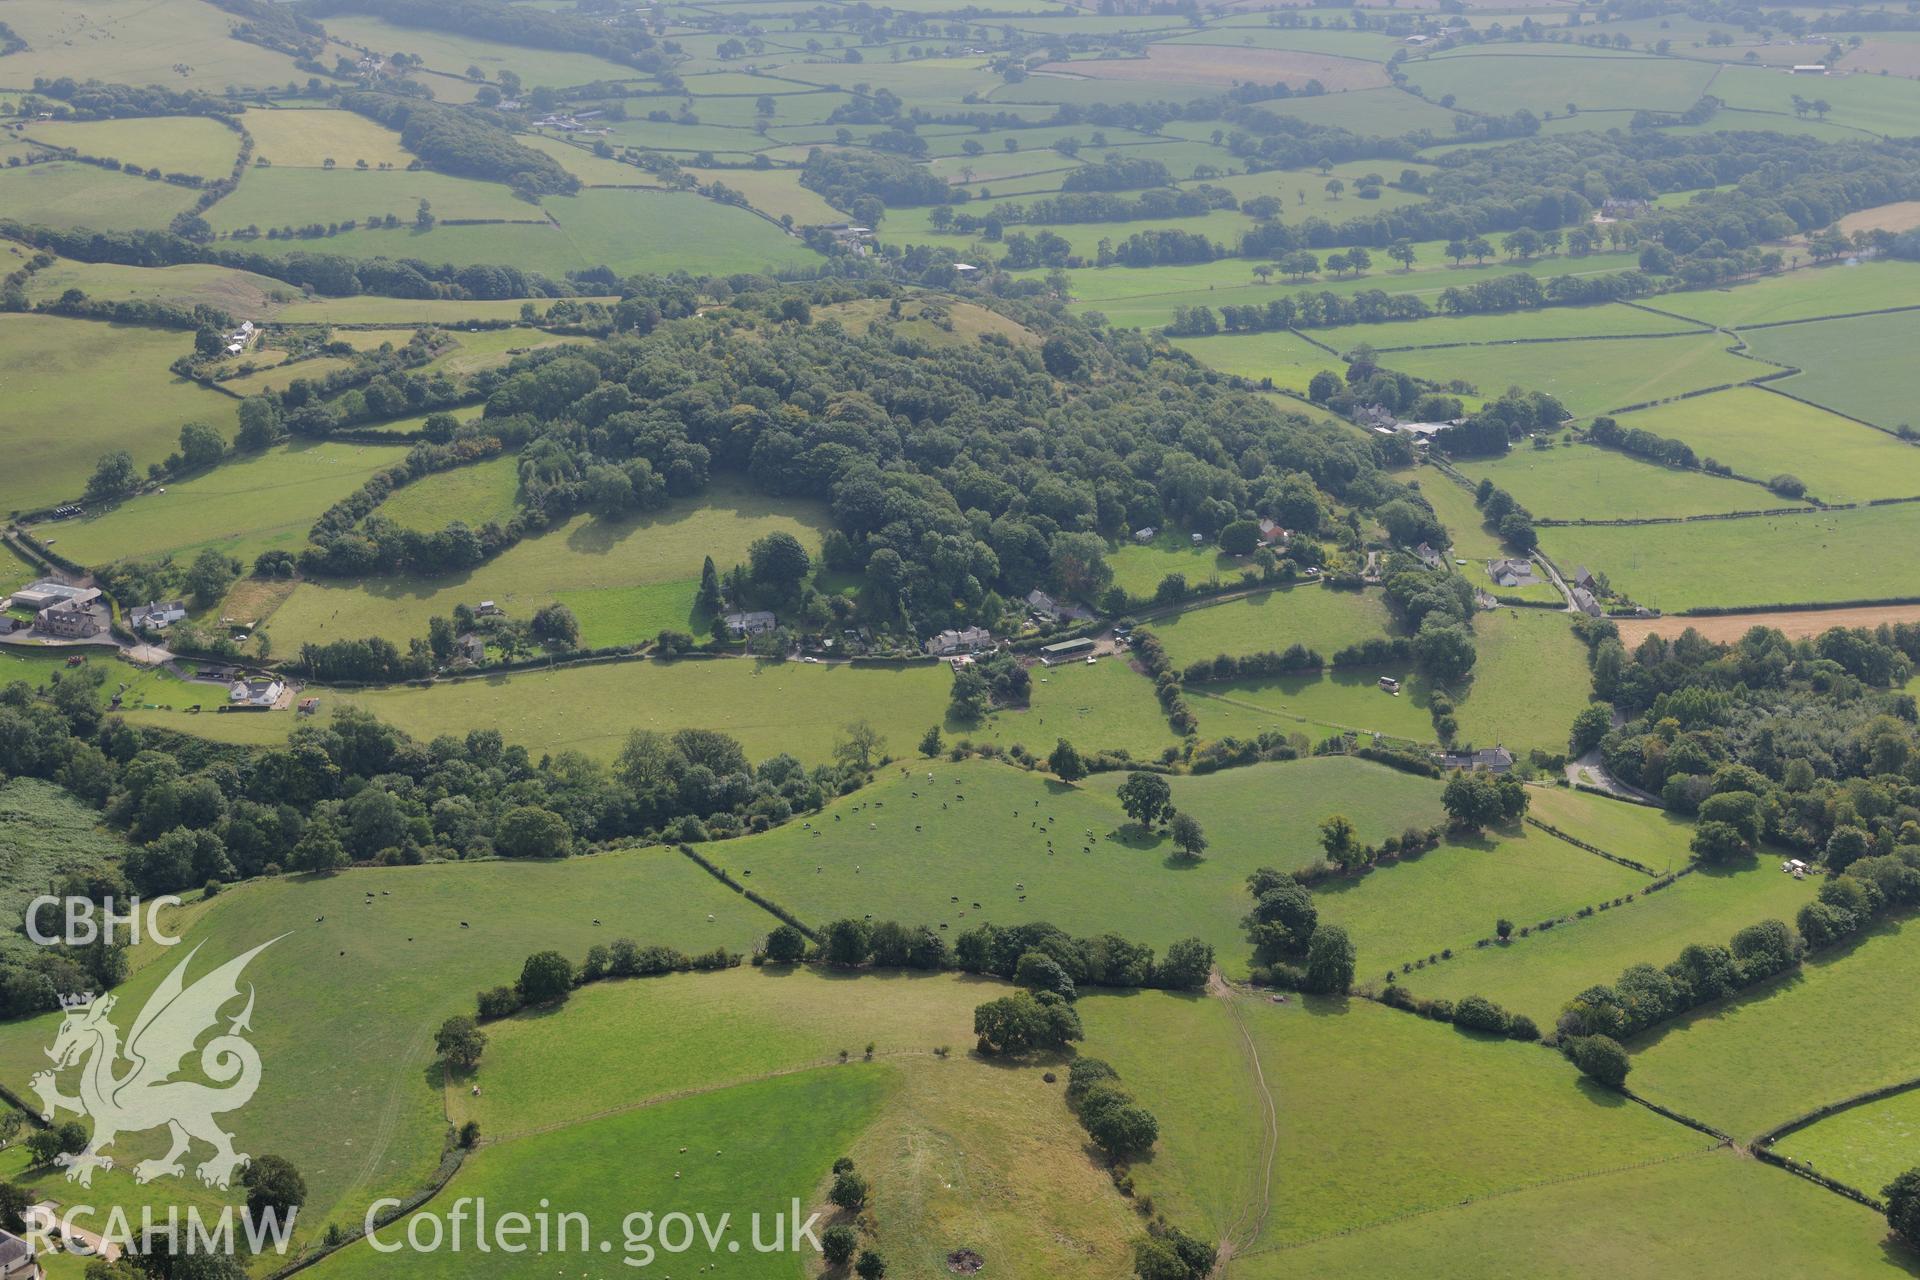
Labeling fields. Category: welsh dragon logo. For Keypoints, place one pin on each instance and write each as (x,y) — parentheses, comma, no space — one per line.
(144,1095)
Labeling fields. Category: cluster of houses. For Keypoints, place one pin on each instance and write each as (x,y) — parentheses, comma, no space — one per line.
(60,611)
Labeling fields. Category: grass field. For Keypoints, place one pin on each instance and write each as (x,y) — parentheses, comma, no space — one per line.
(1723,1063)
(262,502)
(276,197)
(1472,540)
(173,144)
(1104,707)
(1537,975)
(626,579)
(1852,366)
(1878,104)
(1800,295)
(367,309)
(1656,837)
(476,494)
(55,372)
(775,192)
(1762,435)
(1591,483)
(370,978)
(45,833)
(1493,1116)
(179,43)
(67,193)
(454,52)
(1502,84)
(1833,556)
(1592,376)
(1609,320)
(1867,1147)
(1318,617)
(1529,681)
(1316,705)
(236,292)
(307,139)
(1139,568)
(1714,1213)
(770,707)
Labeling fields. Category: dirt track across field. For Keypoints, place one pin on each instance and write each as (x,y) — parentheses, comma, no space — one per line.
(1795,623)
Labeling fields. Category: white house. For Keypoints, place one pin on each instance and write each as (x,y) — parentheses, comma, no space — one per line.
(966,640)
(261,691)
(157,616)
(751,623)
(16,1259)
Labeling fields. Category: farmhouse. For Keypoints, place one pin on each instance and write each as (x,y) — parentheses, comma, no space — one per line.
(157,616)
(1042,604)
(1511,573)
(751,623)
(72,619)
(470,648)
(1583,601)
(1493,759)
(1271,534)
(16,1258)
(1429,557)
(966,640)
(259,691)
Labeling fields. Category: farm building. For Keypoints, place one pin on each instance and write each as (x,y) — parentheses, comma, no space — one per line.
(71,620)
(1583,578)
(1493,759)
(751,623)
(46,593)
(1144,535)
(1810,69)
(966,640)
(1064,649)
(1512,573)
(1043,604)
(157,616)
(1583,601)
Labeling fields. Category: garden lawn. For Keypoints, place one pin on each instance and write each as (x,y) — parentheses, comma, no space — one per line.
(1530,680)
(613,573)
(1709,1213)
(1450,897)
(1472,1116)
(1762,435)
(1321,618)
(770,707)
(1826,558)
(1805,294)
(1583,482)
(1840,1012)
(1866,1147)
(1855,366)
(350,994)
(1538,974)
(740,1151)
(1597,375)
(254,503)
(476,494)
(57,374)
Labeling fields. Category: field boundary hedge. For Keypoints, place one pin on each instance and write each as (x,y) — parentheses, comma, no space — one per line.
(1762,1145)
(1803,606)
(772,908)
(1593,849)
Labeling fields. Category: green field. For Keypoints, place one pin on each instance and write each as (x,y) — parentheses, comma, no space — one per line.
(1138,568)
(173,144)
(1716,1213)
(1502,84)
(1537,975)
(1829,557)
(1723,1062)
(1529,681)
(1473,1118)
(307,139)
(1657,838)
(771,707)
(277,197)
(1582,483)
(1104,707)
(54,374)
(180,43)
(1853,366)
(1800,295)
(1762,435)
(258,503)
(453,53)
(626,579)
(1866,1147)
(1319,617)
(476,494)
(1316,705)
(1472,540)
(240,293)
(370,978)
(1592,376)
(1608,320)
(67,193)
(1878,104)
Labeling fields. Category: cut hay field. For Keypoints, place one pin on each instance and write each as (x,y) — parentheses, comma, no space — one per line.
(626,579)
(1805,294)
(1105,707)
(1451,897)
(747,1149)
(277,197)
(1537,975)
(476,494)
(307,138)
(1591,376)
(1528,684)
(66,193)
(1493,1116)
(962,1151)
(1581,482)
(1866,1147)
(1854,366)
(769,707)
(1319,617)
(1723,1064)
(1795,624)
(1828,557)
(1711,1213)
(173,144)
(54,375)
(365,981)
(255,503)
(1762,435)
